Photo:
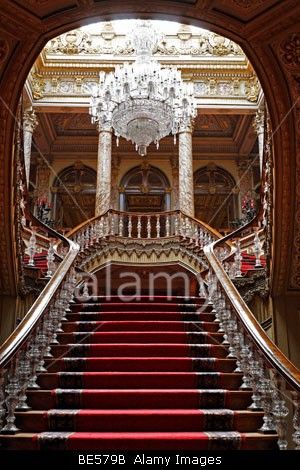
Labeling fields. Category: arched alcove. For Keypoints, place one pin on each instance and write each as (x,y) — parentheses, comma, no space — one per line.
(215,198)
(145,188)
(73,195)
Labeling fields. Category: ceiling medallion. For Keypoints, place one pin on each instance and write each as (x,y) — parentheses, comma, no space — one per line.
(143,102)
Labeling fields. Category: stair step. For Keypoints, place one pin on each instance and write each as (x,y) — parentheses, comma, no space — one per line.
(197,441)
(120,380)
(141,398)
(136,306)
(130,364)
(139,350)
(112,326)
(144,316)
(141,336)
(126,420)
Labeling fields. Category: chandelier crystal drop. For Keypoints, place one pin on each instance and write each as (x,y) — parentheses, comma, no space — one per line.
(143,102)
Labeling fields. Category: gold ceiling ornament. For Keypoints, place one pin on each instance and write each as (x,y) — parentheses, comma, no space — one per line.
(252,89)
(37,85)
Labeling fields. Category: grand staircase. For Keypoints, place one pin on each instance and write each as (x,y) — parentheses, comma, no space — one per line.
(148,374)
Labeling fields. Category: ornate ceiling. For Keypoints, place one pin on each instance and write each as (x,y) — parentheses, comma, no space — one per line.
(268,31)
(67,70)
(72,135)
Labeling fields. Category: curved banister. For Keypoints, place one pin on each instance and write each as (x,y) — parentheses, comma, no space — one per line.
(12,344)
(271,352)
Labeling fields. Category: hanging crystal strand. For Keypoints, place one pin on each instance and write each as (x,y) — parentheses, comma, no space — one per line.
(24,371)
(130,226)
(121,225)
(280,412)
(296,419)
(158,226)
(167,226)
(266,390)
(50,259)
(32,247)
(148,226)
(12,391)
(139,226)
(2,398)
(257,250)
(245,357)
(238,259)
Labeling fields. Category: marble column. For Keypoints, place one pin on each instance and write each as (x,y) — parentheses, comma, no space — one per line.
(175,182)
(258,125)
(115,169)
(186,177)
(103,189)
(29,124)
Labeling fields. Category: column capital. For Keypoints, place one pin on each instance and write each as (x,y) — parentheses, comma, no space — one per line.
(30,121)
(259,121)
(187,128)
(104,127)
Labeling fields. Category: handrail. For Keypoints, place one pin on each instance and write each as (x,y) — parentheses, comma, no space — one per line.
(12,344)
(144,215)
(272,353)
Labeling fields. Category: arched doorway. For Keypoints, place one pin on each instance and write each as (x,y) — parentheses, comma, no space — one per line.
(73,195)
(215,199)
(265,46)
(145,188)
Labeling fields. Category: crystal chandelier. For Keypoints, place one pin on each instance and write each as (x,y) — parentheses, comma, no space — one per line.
(143,102)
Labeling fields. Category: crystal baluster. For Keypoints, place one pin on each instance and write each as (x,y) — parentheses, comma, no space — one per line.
(139,226)
(238,259)
(158,226)
(121,225)
(280,412)
(245,357)
(176,225)
(24,371)
(50,259)
(12,391)
(148,226)
(2,398)
(167,226)
(32,247)
(255,371)
(130,226)
(266,391)
(257,250)
(296,419)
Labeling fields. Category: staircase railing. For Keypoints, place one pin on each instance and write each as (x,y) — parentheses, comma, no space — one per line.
(22,354)
(274,380)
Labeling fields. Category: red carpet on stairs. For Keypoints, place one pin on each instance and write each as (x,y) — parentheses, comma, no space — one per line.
(140,375)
